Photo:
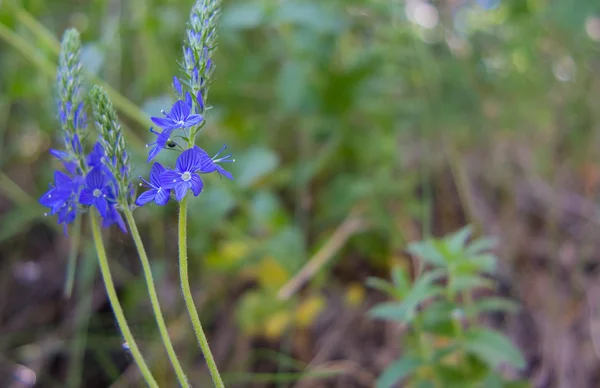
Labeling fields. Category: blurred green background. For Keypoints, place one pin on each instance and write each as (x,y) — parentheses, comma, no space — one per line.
(358,126)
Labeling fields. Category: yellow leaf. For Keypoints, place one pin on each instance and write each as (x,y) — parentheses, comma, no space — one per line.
(271,274)
(276,324)
(355,295)
(309,310)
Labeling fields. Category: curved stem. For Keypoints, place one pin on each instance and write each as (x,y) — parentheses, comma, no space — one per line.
(116,305)
(160,320)
(187,295)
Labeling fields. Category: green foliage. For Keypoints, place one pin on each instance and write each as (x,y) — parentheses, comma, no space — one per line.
(446,344)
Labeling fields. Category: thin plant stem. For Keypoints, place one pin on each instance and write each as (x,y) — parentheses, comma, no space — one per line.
(72,261)
(116,305)
(187,295)
(160,320)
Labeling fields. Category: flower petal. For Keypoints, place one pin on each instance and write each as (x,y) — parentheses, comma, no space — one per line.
(155,173)
(102,206)
(189,161)
(146,197)
(95,179)
(224,172)
(62,180)
(180,111)
(196,184)
(181,189)
(153,152)
(163,122)
(162,197)
(169,178)
(193,120)
(86,197)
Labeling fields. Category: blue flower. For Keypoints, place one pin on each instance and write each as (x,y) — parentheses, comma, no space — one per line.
(177,86)
(180,116)
(157,193)
(94,158)
(184,176)
(97,191)
(209,164)
(113,217)
(61,198)
(161,140)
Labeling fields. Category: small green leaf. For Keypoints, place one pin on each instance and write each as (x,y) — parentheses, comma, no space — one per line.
(481,245)
(393,311)
(493,348)
(400,279)
(457,241)
(427,251)
(468,282)
(383,286)
(397,371)
(491,304)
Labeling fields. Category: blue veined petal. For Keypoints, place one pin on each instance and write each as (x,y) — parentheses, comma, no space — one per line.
(169,178)
(162,196)
(181,189)
(196,184)
(62,180)
(193,120)
(188,161)
(224,172)
(113,217)
(102,205)
(165,123)
(155,173)
(188,100)
(179,112)
(146,197)
(95,179)
(60,155)
(86,197)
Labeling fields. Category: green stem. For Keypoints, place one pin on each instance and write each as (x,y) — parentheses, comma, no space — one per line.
(162,327)
(116,305)
(73,253)
(187,295)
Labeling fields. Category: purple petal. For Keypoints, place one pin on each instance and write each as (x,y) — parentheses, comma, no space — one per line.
(86,197)
(196,184)
(162,196)
(155,173)
(181,189)
(163,122)
(189,160)
(193,120)
(102,206)
(169,178)
(224,172)
(180,111)
(146,197)
(62,179)
(153,152)
(95,179)
(60,155)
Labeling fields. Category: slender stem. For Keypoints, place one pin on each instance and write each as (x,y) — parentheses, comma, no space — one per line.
(116,305)
(187,295)
(160,320)
(73,253)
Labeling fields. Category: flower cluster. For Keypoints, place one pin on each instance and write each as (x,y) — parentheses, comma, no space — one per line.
(90,179)
(186,116)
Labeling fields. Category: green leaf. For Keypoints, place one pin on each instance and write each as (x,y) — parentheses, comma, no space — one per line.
(493,348)
(398,371)
(437,318)
(400,279)
(427,251)
(383,286)
(460,283)
(481,245)
(491,304)
(393,311)
(457,241)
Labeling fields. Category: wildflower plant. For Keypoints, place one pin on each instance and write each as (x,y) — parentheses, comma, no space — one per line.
(445,343)
(99,182)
